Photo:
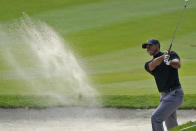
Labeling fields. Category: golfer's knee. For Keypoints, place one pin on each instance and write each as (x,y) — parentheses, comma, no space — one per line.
(156,118)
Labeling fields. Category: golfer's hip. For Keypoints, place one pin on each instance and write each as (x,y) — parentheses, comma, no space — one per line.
(176,95)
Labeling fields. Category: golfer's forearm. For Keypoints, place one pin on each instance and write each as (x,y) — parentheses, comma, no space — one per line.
(155,62)
(175,63)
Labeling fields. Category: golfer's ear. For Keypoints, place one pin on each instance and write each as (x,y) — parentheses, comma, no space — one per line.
(158,46)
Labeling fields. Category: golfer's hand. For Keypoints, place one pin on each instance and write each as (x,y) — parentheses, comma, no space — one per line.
(166,58)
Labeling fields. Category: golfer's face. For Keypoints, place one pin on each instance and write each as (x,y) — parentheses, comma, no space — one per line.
(151,49)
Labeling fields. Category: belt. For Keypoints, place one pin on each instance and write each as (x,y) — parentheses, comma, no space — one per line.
(171,89)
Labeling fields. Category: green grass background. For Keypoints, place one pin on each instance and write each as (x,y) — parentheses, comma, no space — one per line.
(106,35)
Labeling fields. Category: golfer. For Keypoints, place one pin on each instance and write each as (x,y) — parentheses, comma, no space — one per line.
(164,68)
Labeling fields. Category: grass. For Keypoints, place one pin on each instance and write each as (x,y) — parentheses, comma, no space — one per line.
(118,101)
(15,8)
(34,101)
(142,101)
(189,126)
(106,36)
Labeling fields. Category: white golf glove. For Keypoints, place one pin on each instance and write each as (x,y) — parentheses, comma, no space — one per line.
(166,59)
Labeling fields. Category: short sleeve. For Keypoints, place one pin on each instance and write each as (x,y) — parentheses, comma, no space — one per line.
(146,66)
(174,55)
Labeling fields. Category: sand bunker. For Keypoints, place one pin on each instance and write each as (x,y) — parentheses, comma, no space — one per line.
(82,119)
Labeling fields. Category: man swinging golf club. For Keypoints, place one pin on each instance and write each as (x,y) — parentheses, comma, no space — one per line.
(164,68)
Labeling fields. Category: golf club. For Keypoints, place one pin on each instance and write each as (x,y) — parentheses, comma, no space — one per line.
(179,21)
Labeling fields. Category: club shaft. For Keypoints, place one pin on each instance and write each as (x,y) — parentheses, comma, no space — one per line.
(179,21)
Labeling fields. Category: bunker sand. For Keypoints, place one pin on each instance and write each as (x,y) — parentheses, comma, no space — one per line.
(82,119)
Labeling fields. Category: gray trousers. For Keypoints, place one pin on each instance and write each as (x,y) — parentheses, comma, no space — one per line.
(166,111)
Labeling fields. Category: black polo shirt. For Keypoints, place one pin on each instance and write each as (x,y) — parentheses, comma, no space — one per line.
(166,77)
